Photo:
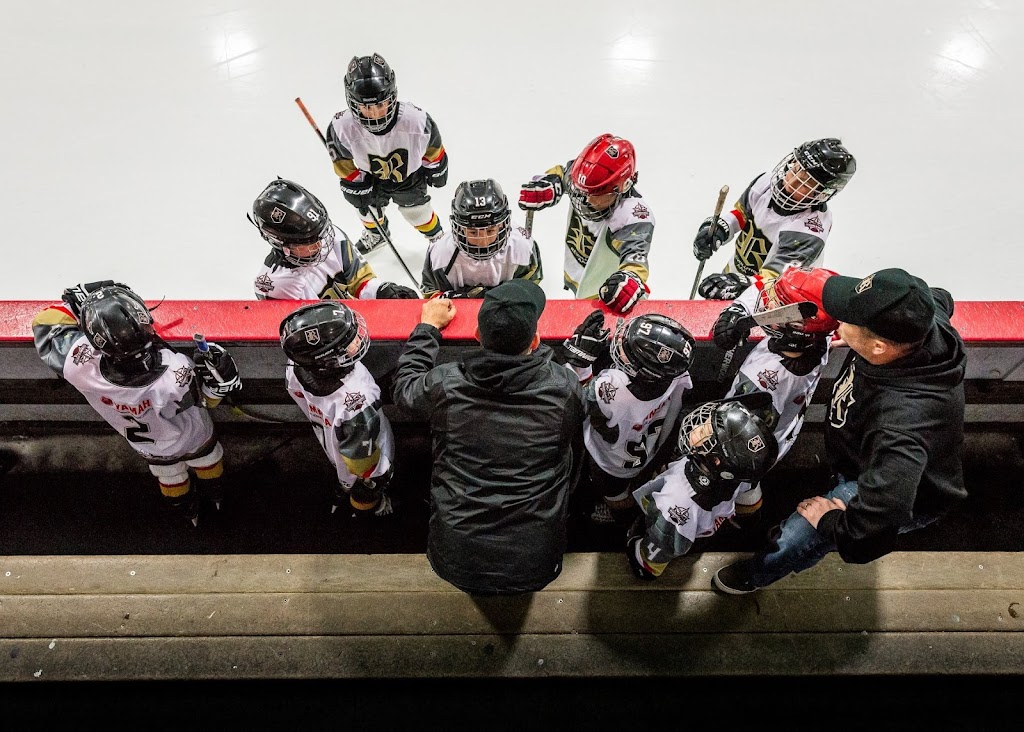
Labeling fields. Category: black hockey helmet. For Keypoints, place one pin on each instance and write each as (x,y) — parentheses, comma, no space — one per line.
(651,347)
(480,204)
(727,441)
(370,80)
(324,336)
(824,167)
(289,216)
(119,325)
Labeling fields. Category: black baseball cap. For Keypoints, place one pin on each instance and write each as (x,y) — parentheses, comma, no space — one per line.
(508,317)
(890,303)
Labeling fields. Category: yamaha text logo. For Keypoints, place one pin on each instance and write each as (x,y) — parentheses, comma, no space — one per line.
(313,336)
(277,215)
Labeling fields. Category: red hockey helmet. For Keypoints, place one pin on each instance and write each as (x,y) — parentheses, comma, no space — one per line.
(798,284)
(606,165)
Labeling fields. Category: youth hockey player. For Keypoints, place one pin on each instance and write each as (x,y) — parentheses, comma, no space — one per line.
(724,444)
(325,342)
(787,364)
(782,218)
(104,344)
(483,249)
(633,406)
(311,259)
(385,150)
(610,228)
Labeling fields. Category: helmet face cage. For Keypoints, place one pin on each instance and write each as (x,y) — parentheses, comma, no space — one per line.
(581,205)
(370,81)
(463,225)
(807,191)
(324,246)
(305,347)
(619,355)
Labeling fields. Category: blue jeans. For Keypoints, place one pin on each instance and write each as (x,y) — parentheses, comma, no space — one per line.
(799,546)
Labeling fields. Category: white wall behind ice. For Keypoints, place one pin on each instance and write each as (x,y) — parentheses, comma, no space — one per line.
(136,134)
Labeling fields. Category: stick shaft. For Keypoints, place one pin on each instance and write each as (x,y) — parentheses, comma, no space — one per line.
(312,122)
(719,204)
(529,223)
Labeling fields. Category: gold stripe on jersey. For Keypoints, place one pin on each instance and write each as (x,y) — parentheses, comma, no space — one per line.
(54,316)
(557,170)
(345,168)
(433,154)
(362,467)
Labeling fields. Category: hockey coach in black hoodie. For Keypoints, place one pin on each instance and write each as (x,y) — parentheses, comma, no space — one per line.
(894,434)
(507,426)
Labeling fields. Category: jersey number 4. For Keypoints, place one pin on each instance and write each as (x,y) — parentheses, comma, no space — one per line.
(637,449)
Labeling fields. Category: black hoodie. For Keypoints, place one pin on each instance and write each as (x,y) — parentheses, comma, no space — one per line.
(898,430)
(504,429)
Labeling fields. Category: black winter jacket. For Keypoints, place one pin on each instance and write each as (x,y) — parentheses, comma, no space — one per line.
(897,430)
(507,438)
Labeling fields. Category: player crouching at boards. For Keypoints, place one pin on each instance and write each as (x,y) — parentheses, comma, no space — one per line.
(787,364)
(325,342)
(104,344)
(724,445)
(483,249)
(782,218)
(311,258)
(633,406)
(610,226)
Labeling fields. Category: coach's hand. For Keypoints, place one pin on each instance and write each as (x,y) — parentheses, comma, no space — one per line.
(438,312)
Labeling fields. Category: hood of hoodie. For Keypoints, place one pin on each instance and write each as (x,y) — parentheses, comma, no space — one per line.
(506,374)
(939,365)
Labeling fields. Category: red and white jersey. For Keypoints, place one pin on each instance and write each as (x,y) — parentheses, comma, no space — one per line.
(411,143)
(159,420)
(771,240)
(343,275)
(348,423)
(447,267)
(623,433)
(673,495)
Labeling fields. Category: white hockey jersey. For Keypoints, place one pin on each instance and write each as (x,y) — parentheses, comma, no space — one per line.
(769,240)
(349,423)
(161,420)
(447,267)
(412,142)
(343,275)
(623,433)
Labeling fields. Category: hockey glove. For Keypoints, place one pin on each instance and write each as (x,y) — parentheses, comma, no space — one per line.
(359,193)
(463,293)
(437,176)
(540,193)
(218,375)
(726,333)
(587,342)
(712,234)
(394,291)
(622,291)
(73,297)
(723,286)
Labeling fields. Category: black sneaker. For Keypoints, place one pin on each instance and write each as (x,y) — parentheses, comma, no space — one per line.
(734,579)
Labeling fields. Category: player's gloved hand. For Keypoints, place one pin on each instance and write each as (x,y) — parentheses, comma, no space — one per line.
(587,342)
(712,234)
(74,296)
(463,293)
(622,291)
(723,286)
(395,291)
(218,374)
(726,332)
(541,192)
(437,176)
(358,193)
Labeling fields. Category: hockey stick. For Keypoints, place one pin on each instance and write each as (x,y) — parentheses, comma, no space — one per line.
(529,223)
(775,316)
(380,227)
(718,212)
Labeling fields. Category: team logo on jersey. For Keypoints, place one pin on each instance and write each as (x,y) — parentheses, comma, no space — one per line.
(606,392)
(864,285)
(579,240)
(313,336)
(82,354)
(641,211)
(277,215)
(751,249)
(665,354)
(264,284)
(842,398)
(679,515)
(183,376)
(814,224)
(354,400)
(754,444)
(394,167)
(768,379)
(526,234)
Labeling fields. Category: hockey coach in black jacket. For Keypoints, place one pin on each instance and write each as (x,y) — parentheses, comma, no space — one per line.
(506,424)
(894,433)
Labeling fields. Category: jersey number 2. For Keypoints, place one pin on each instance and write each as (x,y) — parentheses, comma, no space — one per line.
(137,434)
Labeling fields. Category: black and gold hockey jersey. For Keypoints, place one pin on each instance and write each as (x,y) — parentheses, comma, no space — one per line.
(447,267)
(343,275)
